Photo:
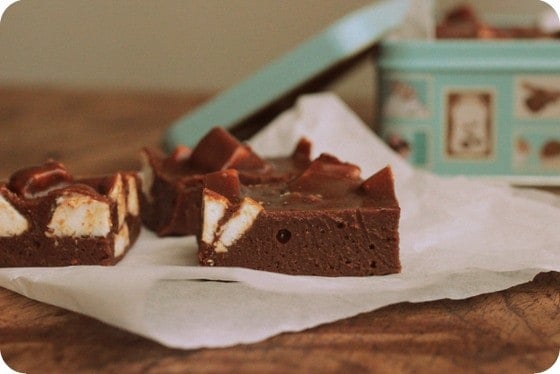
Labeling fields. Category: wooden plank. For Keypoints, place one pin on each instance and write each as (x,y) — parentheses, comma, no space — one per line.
(517,330)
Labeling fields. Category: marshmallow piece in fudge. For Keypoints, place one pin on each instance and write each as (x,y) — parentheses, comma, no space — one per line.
(327,221)
(12,222)
(78,214)
(56,220)
(221,232)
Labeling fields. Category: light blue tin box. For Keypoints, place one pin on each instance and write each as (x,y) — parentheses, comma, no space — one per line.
(482,108)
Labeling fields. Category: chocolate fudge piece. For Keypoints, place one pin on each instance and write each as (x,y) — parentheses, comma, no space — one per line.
(462,22)
(326,221)
(550,154)
(48,218)
(172,184)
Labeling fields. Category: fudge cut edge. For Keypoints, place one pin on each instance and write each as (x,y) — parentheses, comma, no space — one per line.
(352,233)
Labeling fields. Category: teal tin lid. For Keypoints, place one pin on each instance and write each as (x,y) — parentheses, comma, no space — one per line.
(279,82)
(471,55)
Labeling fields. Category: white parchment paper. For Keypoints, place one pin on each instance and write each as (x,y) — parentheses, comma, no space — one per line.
(459,238)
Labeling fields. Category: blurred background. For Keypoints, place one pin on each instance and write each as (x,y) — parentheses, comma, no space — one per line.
(201,46)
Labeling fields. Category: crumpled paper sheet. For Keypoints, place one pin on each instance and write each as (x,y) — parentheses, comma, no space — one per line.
(459,238)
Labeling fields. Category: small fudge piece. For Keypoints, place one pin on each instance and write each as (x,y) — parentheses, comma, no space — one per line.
(172,184)
(327,221)
(48,218)
(462,22)
(550,154)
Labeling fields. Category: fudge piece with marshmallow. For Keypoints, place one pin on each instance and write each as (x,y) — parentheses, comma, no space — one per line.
(327,221)
(172,184)
(49,218)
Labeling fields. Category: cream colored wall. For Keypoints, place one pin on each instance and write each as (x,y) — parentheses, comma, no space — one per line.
(171,44)
(201,45)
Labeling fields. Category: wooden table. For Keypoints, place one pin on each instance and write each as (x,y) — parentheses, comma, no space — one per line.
(514,331)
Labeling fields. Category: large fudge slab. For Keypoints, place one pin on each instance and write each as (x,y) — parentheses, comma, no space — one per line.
(327,221)
(48,218)
(172,184)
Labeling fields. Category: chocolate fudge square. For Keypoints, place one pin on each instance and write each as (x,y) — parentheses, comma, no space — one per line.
(327,221)
(172,184)
(48,218)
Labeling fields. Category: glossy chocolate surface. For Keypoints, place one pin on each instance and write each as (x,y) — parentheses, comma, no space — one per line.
(171,200)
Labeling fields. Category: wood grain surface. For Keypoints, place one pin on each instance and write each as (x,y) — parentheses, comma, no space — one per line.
(513,331)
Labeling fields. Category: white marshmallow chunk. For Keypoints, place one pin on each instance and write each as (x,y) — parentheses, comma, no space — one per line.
(117,194)
(132,204)
(238,224)
(214,209)
(122,240)
(12,222)
(78,215)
